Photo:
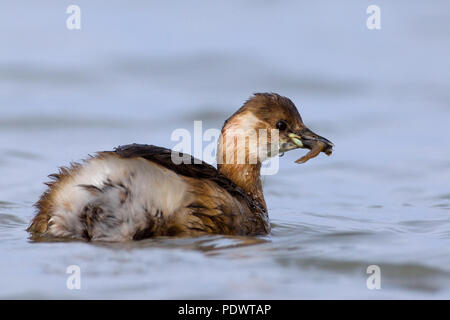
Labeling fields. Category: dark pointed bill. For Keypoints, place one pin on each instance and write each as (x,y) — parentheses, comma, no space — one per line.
(312,141)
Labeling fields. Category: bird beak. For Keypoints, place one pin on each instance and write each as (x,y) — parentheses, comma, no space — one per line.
(305,138)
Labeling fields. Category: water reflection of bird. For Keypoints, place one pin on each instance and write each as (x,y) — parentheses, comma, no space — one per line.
(139,191)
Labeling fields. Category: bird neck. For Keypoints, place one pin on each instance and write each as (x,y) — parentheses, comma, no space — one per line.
(244,169)
(247,177)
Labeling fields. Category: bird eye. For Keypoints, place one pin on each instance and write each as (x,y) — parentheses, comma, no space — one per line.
(281,125)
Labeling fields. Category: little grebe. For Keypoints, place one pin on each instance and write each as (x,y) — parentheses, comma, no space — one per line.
(137,191)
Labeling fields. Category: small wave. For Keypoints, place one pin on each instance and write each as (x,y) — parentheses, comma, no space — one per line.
(10,221)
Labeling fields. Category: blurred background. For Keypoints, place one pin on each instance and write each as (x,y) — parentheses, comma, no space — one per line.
(138,70)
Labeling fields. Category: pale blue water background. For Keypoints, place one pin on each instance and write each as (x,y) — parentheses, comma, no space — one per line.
(137,71)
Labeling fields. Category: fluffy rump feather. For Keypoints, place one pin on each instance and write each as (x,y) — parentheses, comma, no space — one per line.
(108,198)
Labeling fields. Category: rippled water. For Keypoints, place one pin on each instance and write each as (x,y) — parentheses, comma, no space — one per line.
(135,73)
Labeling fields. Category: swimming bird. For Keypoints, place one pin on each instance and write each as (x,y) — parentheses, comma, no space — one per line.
(139,191)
